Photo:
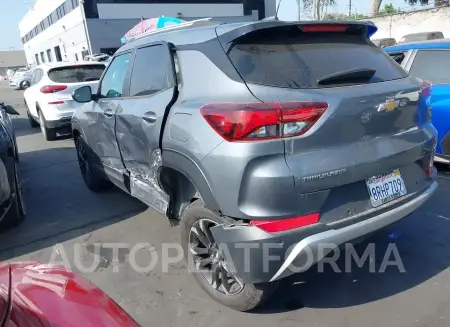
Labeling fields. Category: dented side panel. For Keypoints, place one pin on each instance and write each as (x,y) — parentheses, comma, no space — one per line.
(138,139)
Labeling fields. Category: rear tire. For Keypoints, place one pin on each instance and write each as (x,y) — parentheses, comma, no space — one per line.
(94,181)
(16,212)
(49,133)
(245,297)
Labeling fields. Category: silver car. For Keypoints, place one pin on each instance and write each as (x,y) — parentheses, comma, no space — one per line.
(21,80)
(270,142)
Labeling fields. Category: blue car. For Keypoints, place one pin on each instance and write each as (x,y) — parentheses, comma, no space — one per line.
(430,61)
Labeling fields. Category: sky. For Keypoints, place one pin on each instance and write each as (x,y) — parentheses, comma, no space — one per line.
(14,10)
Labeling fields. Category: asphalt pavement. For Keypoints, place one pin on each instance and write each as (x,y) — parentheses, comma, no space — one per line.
(68,222)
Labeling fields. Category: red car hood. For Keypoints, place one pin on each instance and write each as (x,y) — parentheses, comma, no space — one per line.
(38,295)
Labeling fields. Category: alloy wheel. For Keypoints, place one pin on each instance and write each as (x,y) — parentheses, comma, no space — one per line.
(209,260)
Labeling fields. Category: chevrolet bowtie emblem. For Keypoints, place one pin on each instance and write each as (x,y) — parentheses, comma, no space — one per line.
(389,105)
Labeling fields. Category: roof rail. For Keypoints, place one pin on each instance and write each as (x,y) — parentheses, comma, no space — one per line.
(188,24)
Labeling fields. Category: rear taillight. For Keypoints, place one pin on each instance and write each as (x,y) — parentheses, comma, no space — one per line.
(262,121)
(53,88)
(282,225)
(325,28)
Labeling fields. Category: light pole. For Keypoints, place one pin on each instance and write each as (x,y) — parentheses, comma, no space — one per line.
(83,16)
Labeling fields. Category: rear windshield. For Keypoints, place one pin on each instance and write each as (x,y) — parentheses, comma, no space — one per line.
(294,59)
(76,74)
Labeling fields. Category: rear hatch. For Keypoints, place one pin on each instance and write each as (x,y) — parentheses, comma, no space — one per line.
(67,79)
(372,118)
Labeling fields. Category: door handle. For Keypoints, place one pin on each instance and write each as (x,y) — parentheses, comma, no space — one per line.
(108,113)
(150,117)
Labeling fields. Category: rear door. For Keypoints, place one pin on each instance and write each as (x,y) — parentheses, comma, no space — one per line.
(141,116)
(73,77)
(371,105)
(432,65)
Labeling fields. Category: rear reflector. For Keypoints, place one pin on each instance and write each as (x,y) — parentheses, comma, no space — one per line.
(325,28)
(56,102)
(262,121)
(282,225)
(53,88)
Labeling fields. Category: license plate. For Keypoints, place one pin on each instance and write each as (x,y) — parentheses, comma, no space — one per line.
(385,188)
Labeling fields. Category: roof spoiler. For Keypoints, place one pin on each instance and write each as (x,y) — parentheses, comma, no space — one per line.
(228,37)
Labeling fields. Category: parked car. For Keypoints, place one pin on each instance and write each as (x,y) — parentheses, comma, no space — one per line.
(270,150)
(384,42)
(34,294)
(48,100)
(415,37)
(428,60)
(21,81)
(11,198)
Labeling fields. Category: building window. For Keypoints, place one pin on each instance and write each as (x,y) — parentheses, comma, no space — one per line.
(74,4)
(49,20)
(76,57)
(58,53)
(36,30)
(49,55)
(37,59)
(42,26)
(42,57)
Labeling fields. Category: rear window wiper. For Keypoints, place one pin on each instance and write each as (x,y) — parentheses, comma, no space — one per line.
(350,75)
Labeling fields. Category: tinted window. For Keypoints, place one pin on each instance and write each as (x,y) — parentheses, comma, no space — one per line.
(432,65)
(398,57)
(112,82)
(152,71)
(76,74)
(293,59)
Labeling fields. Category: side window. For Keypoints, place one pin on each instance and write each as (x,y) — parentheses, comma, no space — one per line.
(39,75)
(112,82)
(432,65)
(152,71)
(33,76)
(398,57)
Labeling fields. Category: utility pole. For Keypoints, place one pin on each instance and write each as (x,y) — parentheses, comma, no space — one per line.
(349,8)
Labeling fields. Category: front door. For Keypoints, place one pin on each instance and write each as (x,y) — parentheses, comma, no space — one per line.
(139,120)
(110,98)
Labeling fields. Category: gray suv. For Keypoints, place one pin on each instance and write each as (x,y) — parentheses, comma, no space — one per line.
(265,140)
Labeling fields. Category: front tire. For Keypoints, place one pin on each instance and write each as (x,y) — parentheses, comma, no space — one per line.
(49,133)
(24,85)
(91,177)
(16,213)
(215,278)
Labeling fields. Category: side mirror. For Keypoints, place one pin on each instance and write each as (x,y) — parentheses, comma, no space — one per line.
(83,94)
(11,111)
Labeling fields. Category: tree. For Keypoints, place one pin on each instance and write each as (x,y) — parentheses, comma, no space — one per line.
(314,8)
(376,4)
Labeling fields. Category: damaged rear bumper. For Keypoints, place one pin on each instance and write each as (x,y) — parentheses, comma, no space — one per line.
(256,256)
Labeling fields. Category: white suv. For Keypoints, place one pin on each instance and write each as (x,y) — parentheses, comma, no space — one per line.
(49,100)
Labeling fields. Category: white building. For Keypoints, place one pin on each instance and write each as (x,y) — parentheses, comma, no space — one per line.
(59,30)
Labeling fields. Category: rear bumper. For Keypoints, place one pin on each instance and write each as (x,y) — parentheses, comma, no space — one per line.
(256,256)
(56,118)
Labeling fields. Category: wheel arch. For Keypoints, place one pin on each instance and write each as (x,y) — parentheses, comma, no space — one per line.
(184,182)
